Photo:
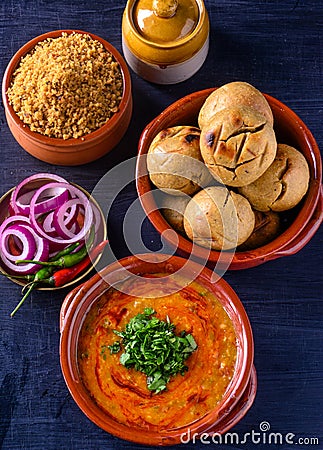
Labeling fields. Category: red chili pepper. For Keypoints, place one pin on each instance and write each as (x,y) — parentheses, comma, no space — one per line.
(63,276)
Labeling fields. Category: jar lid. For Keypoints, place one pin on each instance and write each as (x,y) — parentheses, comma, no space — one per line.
(165,21)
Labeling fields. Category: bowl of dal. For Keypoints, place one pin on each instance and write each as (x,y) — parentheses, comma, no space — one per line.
(214,390)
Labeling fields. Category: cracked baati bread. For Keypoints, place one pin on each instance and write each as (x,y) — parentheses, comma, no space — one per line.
(284,183)
(237,93)
(238,145)
(218,219)
(174,161)
(267,228)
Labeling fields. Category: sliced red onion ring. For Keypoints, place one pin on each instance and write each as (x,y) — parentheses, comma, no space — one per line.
(74,193)
(13,220)
(47,224)
(51,223)
(20,203)
(24,235)
(65,216)
(54,199)
(44,220)
(41,254)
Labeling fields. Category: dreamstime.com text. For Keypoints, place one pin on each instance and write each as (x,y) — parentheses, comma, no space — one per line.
(262,436)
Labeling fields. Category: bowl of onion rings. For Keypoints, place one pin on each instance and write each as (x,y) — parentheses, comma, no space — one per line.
(52,232)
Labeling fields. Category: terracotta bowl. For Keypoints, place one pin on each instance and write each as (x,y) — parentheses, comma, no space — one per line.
(301,223)
(69,152)
(100,235)
(241,391)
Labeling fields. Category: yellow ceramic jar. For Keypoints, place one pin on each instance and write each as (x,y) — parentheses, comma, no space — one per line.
(165,41)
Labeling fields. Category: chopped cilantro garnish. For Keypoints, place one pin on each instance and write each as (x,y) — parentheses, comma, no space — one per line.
(151,346)
(115,347)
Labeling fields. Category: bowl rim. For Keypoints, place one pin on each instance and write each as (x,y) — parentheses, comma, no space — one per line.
(6,197)
(80,299)
(240,260)
(60,144)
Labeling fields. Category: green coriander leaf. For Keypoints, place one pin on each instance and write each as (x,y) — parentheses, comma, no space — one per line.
(115,347)
(124,358)
(191,341)
(152,347)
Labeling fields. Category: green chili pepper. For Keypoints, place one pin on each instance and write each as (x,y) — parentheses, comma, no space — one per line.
(62,259)
(65,251)
(42,274)
(26,278)
(66,260)
(63,276)
(31,287)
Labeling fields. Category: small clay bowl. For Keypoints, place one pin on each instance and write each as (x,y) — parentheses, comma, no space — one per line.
(301,223)
(73,151)
(100,236)
(241,391)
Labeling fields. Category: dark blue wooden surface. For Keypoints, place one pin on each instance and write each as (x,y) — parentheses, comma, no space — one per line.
(275,45)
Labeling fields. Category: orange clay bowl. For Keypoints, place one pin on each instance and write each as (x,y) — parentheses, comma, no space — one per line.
(301,223)
(69,152)
(239,394)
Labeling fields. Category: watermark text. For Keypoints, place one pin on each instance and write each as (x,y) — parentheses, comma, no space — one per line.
(262,436)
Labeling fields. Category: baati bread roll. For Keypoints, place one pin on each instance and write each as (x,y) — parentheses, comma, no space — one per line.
(238,145)
(236,93)
(218,219)
(267,227)
(172,208)
(284,183)
(174,161)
